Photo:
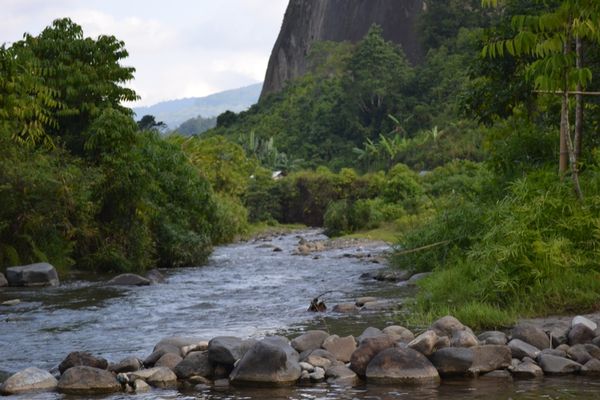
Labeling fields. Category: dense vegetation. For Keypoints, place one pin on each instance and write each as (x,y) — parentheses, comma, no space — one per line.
(483,161)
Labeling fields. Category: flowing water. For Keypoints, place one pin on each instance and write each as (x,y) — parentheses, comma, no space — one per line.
(245,290)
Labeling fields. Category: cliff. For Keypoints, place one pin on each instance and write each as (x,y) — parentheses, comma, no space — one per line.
(307,21)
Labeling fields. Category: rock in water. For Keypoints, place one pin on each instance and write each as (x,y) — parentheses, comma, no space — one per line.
(341,347)
(453,361)
(270,361)
(580,334)
(41,274)
(195,363)
(168,360)
(531,334)
(521,349)
(368,349)
(3,281)
(88,381)
(310,340)
(82,358)
(129,280)
(401,366)
(425,343)
(227,350)
(488,358)
(554,365)
(29,380)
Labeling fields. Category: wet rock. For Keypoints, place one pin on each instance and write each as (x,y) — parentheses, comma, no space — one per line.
(160,377)
(369,332)
(493,337)
(13,302)
(155,276)
(584,321)
(401,366)
(554,352)
(488,358)
(221,384)
(591,368)
(399,333)
(593,350)
(310,340)
(195,363)
(453,361)
(579,354)
(424,343)
(200,346)
(321,353)
(157,354)
(40,274)
(554,365)
(361,301)
(521,349)
(392,276)
(527,370)
(306,366)
(345,308)
(318,375)
(82,358)
(580,334)
(559,334)
(140,386)
(341,375)
(378,305)
(227,349)
(129,280)
(169,360)
(463,339)
(317,361)
(442,342)
(128,364)
(84,380)
(341,347)
(3,281)
(446,326)
(29,380)
(498,375)
(531,334)
(368,349)
(269,361)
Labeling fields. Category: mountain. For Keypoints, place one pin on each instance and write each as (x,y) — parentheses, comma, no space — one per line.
(307,21)
(175,112)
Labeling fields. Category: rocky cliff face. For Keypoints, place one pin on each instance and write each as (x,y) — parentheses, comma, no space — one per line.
(307,21)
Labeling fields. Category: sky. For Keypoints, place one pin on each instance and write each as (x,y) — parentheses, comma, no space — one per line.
(180,48)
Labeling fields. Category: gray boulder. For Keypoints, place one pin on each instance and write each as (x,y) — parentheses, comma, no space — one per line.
(489,358)
(161,377)
(369,332)
(399,333)
(3,281)
(129,280)
(591,368)
(155,276)
(368,349)
(195,363)
(500,374)
(341,375)
(128,364)
(310,340)
(227,350)
(270,361)
(453,361)
(401,366)
(341,347)
(169,360)
(579,354)
(82,358)
(593,350)
(41,274)
(531,334)
(29,380)
(345,308)
(425,343)
(88,381)
(580,334)
(553,365)
(493,337)
(521,349)
(527,370)
(463,339)
(446,326)
(585,321)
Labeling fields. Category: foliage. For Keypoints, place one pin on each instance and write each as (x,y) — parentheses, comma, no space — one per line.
(196,126)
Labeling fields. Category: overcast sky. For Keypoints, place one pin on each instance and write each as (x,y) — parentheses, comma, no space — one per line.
(180,48)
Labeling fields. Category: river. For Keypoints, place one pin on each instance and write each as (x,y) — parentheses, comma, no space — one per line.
(245,290)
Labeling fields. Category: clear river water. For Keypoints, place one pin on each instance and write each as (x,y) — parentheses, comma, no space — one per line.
(245,290)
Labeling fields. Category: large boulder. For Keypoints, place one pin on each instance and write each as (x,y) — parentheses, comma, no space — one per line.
(88,381)
(446,326)
(531,334)
(591,368)
(488,358)
(128,364)
(399,333)
(161,377)
(270,361)
(369,332)
(169,360)
(585,321)
(310,340)
(553,365)
(341,375)
(3,281)
(401,366)
(527,370)
(29,380)
(521,349)
(453,361)
(580,334)
(493,337)
(82,358)
(227,350)
(463,339)
(195,363)
(368,349)
(341,347)
(129,280)
(41,274)
(579,354)
(425,343)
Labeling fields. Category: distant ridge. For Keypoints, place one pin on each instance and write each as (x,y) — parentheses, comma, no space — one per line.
(175,112)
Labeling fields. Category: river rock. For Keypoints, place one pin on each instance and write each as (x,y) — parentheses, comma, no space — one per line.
(227,349)
(593,350)
(200,346)
(369,332)
(82,358)
(310,340)
(29,380)
(531,334)
(488,358)
(269,361)
(559,334)
(424,343)
(140,386)
(169,360)
(318,375)
(446,326)
(585,321)
(345,308)
(554,365)
(361,301)
(521,349)
(318,361)
(341,375)
(41,274)
(129,280)
(554,352)
(580,334)
(401,366)
(84,380)
(463,339)
(579,354)
(453,361)
(527,370)
(306,366)
(160,377)
(128,364)
(195,363)
(591,368)
(368,349)
(3,281)
(341,347)
(399,333)
(493,337)
(155,276)
(171,343)
(500,374)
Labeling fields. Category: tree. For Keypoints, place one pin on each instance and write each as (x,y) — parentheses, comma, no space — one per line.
(149,123)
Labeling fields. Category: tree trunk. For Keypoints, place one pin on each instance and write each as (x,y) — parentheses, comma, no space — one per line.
(578,103)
